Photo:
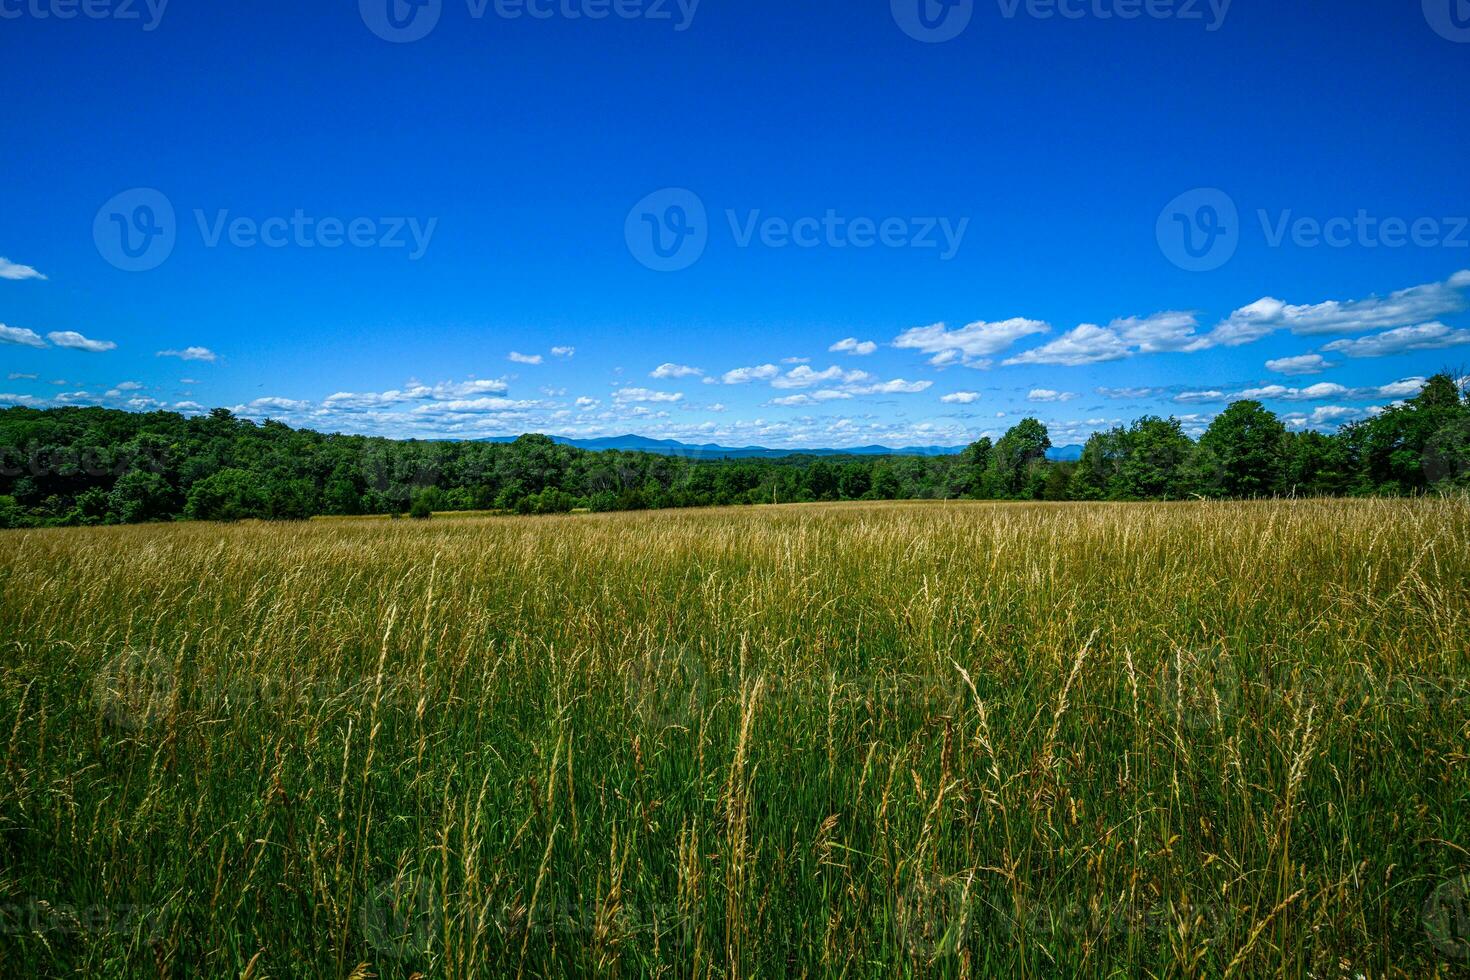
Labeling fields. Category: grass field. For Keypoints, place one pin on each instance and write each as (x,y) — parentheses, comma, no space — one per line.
(852,740)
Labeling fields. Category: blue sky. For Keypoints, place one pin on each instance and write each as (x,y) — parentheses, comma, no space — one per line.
(355,233)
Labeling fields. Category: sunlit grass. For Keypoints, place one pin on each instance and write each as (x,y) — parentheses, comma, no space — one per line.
(863,740)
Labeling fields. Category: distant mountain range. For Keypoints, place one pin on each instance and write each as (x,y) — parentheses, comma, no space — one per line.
(670,447)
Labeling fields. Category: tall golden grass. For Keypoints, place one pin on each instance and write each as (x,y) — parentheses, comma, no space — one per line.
(862,740)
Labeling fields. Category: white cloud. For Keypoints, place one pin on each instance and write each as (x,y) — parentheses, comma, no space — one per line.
(563,351)
(803,376)
(188,407)
(626,395)
(851,345)
(72,340)
(1171,330)
(1190,397)
(22,377)
(1129,393)
(16,271)
(460,389)
(28,401)
(1406,307)
(1426,336)
(796,360)
(898,386)
(190,354)
(585,403)
(1177,331)
(1048,395)
(20,335)
(416,391)
(667,370)
(1325,417)
(971,344)
(1088,343)
(1085,344)
(474,406)
(279,404)
(520,358)
(1301,364)
(128,386)
(961,398)
(1317,392)
(1400,389)
(746,375)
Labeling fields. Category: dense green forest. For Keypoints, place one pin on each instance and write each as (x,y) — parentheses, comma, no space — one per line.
(69,466)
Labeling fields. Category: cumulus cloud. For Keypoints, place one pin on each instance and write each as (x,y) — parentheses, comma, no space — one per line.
(898,386)
(1402,389)
(1088,343)
(961,398)
(416,391)
(628,395)
(1084,344)
(1403,308)
(72,340)
(563,351)
(276,403)
(971,345)
(191,354)
(474,406)
(1325,417)
(803,376)
(1129,393)
(745,375)
(1177,331)
(667,370)
(851,345)
(1322,391)
(1049,395)
(1402,340)
(520,358)
(1301,364)
(586,404)
(21,336)
(15,271)
(1317,392)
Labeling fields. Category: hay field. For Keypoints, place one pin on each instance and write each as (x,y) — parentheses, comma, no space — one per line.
(837,740)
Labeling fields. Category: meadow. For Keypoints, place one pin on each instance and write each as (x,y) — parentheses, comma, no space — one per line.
(862,740)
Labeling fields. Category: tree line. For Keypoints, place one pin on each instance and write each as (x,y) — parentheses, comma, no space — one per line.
(79,466)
